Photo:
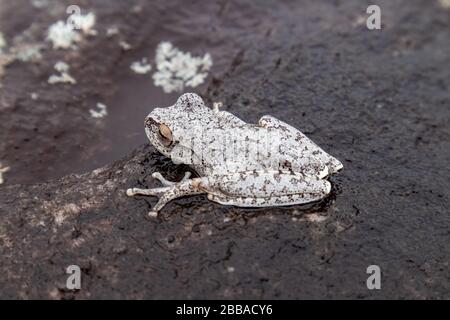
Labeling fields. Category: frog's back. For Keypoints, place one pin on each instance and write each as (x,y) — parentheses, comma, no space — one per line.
(252,148)
(239,148)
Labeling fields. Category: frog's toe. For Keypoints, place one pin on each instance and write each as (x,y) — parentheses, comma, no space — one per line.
(146,192)
(217,106)
(187,175)
(153,214)
(324,172)
(158,176)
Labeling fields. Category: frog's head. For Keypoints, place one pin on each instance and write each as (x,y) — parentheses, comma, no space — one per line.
(166,127)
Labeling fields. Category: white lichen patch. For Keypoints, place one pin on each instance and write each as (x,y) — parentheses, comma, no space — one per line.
(61,66)
(2,171)
(141,67)
(28,52)
(101,112)
(22,48)
(177,70)
(112,31)
(124,45)
(64,35)
(64,76)
(85,23)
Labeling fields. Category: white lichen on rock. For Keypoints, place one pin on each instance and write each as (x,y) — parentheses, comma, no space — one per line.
(61,66)
(64,76)
(22,47)
(64,35)
(28,52)
(2,171)
(124,45)
(100,113)
(85,23)
(177,69)
(112,31)
(141,67)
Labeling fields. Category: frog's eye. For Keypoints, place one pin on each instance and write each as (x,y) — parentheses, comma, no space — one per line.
(165,134)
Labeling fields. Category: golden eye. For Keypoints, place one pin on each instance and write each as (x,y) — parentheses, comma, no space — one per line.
(165,132)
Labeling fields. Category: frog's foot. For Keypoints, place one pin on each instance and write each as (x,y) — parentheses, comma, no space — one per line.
(170,192)
(168,183)
(265,188)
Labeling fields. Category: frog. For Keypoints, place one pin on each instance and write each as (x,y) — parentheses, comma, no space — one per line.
(268,164)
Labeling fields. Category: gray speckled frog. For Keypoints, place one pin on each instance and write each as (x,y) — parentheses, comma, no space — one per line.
(241,164)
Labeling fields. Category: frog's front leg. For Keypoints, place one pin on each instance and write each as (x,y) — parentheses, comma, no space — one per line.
(264,188)
(168,183)
(172,190)
(226,117)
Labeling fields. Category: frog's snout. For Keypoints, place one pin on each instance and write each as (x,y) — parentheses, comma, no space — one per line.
(150,121)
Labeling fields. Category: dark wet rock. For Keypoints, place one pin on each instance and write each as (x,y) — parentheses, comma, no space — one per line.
(377,100)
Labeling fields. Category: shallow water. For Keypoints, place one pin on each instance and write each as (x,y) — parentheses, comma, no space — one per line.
(65,144)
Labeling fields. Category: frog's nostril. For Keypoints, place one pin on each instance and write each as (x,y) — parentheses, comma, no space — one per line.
(149,121)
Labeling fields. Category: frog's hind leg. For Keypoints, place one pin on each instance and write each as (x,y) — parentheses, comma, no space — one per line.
(309,147)
(266,188)
(168,193)
(275,201)
(225,117)
(188,187)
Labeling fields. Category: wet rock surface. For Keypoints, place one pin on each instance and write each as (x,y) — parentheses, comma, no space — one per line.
(377,100)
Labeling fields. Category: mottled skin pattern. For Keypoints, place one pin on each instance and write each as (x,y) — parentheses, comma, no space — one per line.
(246,165)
